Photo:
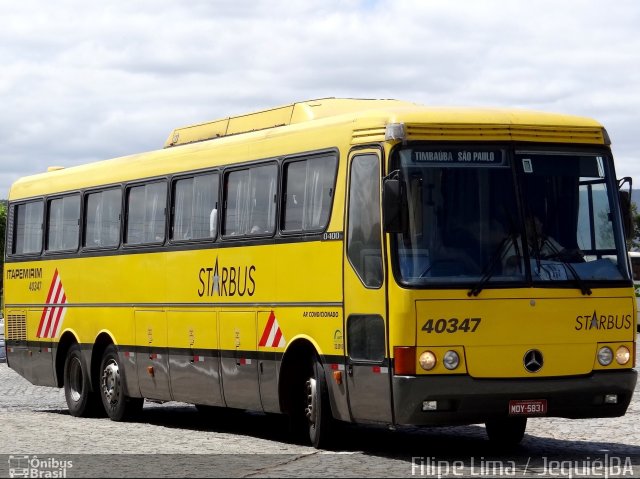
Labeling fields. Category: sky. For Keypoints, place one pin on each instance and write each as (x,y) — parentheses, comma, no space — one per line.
(86,81)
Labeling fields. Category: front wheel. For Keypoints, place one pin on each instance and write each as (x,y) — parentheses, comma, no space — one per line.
(82,402)
(506,432)
(118,406)
(320,422)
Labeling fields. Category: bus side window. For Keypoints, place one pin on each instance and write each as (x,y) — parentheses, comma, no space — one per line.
(146,205)
(194,206)
(26,228)
(102,219)
(249,201)
(308,190)
(63,223)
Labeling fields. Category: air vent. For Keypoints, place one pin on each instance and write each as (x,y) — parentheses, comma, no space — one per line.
(17,326)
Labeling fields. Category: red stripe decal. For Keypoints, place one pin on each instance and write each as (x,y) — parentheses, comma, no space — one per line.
(276,340)
(45,310)
(58,316)
(267,330)
(53,282)
(53,312)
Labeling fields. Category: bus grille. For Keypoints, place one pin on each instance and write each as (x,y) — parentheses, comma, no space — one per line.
(17,326)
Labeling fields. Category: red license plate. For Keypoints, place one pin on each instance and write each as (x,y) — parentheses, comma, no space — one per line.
(528,407)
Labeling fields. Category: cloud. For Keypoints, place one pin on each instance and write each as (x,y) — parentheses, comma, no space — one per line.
(83,82)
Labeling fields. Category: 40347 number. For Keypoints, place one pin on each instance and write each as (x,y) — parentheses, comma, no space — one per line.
(452,325)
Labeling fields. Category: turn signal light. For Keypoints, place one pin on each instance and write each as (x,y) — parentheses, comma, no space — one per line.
(428,360)
(623,355)
(404,360)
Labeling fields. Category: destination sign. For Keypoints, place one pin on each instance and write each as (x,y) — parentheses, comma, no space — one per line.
(458,156)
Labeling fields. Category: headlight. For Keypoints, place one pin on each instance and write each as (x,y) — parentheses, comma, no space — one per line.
(605,356)
(428,360)
(451,360)
(622,355)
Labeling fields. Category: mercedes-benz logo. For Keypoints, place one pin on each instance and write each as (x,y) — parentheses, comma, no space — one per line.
(533,360)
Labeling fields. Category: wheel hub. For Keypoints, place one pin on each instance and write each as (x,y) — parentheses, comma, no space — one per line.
(111,382)
(310,409)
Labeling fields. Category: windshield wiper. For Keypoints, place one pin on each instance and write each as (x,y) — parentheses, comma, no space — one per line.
(559,256)
(497,256)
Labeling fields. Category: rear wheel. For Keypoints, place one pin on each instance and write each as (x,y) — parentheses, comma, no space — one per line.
(82,402)
(506,432)
(118,406)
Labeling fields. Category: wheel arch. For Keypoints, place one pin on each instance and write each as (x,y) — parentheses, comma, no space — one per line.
(296,360)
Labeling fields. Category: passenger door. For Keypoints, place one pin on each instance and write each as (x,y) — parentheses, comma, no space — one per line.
(367,363)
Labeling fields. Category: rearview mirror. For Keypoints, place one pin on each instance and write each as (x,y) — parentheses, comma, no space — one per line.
(394,206)
(625,207)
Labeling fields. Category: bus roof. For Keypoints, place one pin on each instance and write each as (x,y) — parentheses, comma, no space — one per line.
(360,109)
(356,120)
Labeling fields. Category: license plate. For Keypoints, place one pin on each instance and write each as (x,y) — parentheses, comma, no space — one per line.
(528,407)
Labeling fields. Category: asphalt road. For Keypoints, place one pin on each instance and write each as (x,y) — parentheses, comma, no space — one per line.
(39,437)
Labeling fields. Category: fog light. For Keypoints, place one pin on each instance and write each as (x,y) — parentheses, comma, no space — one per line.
(429,405)
(623,355)
(428,360)
(451,360)
(605,356)
(611,399)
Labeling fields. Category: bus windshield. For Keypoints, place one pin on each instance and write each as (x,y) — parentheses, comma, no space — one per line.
(479,215)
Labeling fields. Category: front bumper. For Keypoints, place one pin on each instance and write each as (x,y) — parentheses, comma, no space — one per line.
(465,400)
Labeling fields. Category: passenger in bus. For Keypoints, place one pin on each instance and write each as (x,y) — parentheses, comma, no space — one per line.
(539,242)
(541,246)
(513,266)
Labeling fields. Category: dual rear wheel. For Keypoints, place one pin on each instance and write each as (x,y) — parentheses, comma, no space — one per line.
(108,395)
(117,405)
(82,402)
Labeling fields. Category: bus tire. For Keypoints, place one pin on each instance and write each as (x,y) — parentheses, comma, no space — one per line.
(81,401)
(118,406)
(506,432)
(319,420)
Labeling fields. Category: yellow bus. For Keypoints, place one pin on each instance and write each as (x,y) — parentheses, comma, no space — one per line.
(335,260)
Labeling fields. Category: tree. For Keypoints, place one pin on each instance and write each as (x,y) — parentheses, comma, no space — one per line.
(635,236)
